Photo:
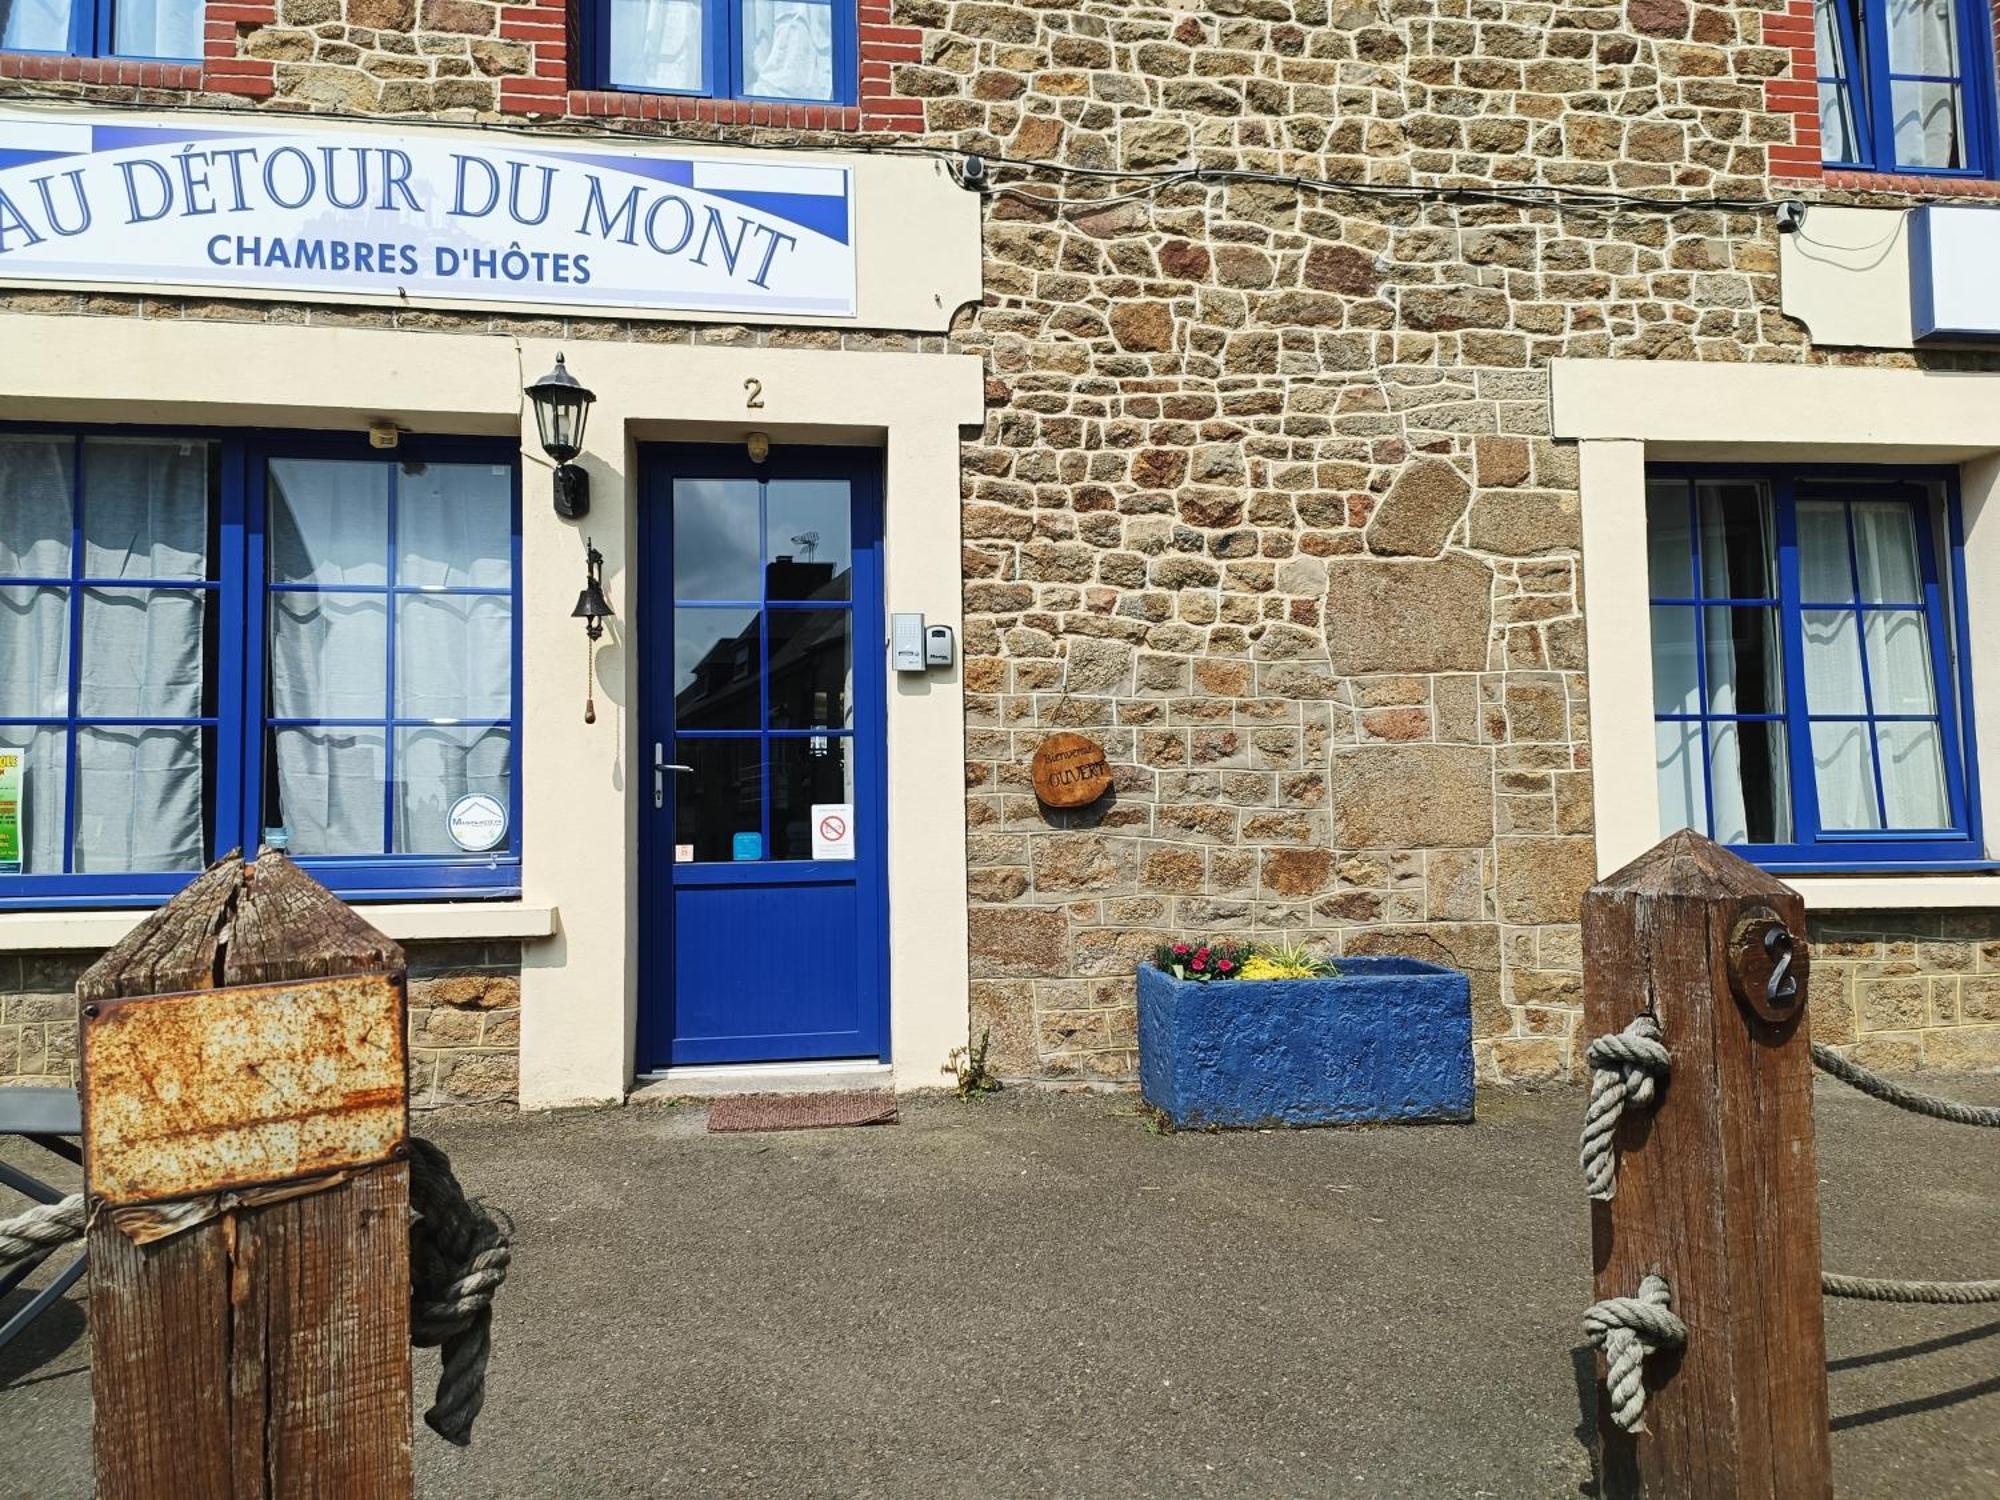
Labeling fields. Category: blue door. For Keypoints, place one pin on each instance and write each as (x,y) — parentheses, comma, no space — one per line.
(762,824)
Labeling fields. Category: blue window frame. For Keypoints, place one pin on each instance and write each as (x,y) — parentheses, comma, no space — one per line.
(210,640)
(777,51)
(1810,691)
(1906,86)
(137,30)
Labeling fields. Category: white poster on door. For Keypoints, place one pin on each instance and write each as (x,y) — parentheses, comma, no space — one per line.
(833,830)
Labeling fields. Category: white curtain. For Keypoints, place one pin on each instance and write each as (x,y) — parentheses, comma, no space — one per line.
(158,28)
(437,766)
(788,49)
(1926,117)
(1839,123)
(656,44)
(331,782)
(34,25)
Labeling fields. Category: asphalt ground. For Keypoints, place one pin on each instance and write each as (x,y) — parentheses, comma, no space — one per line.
(1035,1296)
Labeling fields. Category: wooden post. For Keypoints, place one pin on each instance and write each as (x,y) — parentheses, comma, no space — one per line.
(1716,1187)
(264,1352)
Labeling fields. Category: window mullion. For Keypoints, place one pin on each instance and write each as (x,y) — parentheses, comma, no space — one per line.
(1701,701)
(1791,634)
(73,703)
(389,675)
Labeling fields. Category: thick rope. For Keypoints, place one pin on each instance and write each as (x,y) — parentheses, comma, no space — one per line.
(1876,1086)
(1626,1070)
(45,1227)
(458,1258)
(1882,1289)
(1628,1329)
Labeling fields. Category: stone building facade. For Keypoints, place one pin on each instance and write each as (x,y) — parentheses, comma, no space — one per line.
(1270,497)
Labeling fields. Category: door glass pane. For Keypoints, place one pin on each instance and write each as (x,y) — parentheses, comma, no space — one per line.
(157,28)
(812,668)
(1751,787)
(44,794)
(806,538)
(454,656)
(717,669)
(329,522)
(34,652)
(455,526)
(1845,775)
(656,44)
(1899,661)
(139,799)
(722,798)
(1739,554)
(788,49)
(437,765)
(1824,574)
(1833,662)
(1913,774)
(1927,120)
(145,508)
(715,540)
(1745,667)
(37,489)
(1885,553)
(142,653)
(806,773)
(1669,546)
(36,25)
(329,655)
(327,791)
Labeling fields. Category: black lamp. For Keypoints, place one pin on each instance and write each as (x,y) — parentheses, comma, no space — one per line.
(562,407)
(593,609)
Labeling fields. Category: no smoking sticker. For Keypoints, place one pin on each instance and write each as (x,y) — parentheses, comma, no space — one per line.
(833,830)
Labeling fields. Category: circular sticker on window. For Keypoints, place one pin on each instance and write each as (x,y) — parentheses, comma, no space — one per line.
(476,822)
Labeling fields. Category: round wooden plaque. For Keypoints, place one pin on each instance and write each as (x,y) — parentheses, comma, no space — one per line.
(1070,771)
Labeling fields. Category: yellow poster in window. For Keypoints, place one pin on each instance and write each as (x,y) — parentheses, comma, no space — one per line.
(12,764)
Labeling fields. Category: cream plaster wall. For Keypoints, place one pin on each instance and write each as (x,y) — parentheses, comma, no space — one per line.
(582,783)
(1624,413)
(1845,274)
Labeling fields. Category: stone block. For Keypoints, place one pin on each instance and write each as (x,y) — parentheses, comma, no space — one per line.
(1009,941)
(1416,517)
(1413,797)
(1543,879)
(1409,616)
(1526,524)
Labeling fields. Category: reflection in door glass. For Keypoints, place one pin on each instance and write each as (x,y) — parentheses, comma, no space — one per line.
(720,800)
(806,539)
(715,539)
(812,669)
(717,669)
(806,771)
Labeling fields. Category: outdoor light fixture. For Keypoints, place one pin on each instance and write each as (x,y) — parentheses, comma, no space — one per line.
(562,407)
(593,609)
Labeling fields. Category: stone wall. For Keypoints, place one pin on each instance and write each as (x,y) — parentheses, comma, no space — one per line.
(1902,990)
(1266,498)
(465,1020)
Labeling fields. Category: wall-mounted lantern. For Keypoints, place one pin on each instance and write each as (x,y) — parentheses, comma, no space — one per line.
(562,407)
(593,609)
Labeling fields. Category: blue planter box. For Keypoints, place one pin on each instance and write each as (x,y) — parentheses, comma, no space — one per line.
(1385,1040)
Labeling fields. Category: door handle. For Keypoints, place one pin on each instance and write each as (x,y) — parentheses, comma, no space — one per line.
(660,768)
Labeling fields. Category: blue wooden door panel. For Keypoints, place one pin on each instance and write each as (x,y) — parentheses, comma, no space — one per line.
(750,949)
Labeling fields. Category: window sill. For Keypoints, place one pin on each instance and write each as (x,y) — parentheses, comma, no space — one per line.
(1923,184)
(1896,892)
(462,921)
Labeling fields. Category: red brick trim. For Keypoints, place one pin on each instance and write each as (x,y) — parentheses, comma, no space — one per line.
(549,29)
(220,71)
(1795,94)
(1913,184)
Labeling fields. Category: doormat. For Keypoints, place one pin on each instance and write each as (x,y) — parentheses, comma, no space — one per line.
(800,1111)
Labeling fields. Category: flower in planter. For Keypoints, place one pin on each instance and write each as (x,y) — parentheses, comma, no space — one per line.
(1286,961)
(1203,961)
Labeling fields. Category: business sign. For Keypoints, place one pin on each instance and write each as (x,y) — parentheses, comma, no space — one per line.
(1954,291)
(476,822)
(420,215)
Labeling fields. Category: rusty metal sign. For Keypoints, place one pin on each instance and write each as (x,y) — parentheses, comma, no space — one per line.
(228,1088)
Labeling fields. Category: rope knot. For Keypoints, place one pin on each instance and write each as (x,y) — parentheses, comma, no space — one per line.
(459,1255)
(1626,1068)
(1628,1329)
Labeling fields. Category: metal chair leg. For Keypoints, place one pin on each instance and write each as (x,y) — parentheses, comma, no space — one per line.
(41,1301)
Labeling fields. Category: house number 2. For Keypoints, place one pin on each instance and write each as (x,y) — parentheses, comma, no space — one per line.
(753,395)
